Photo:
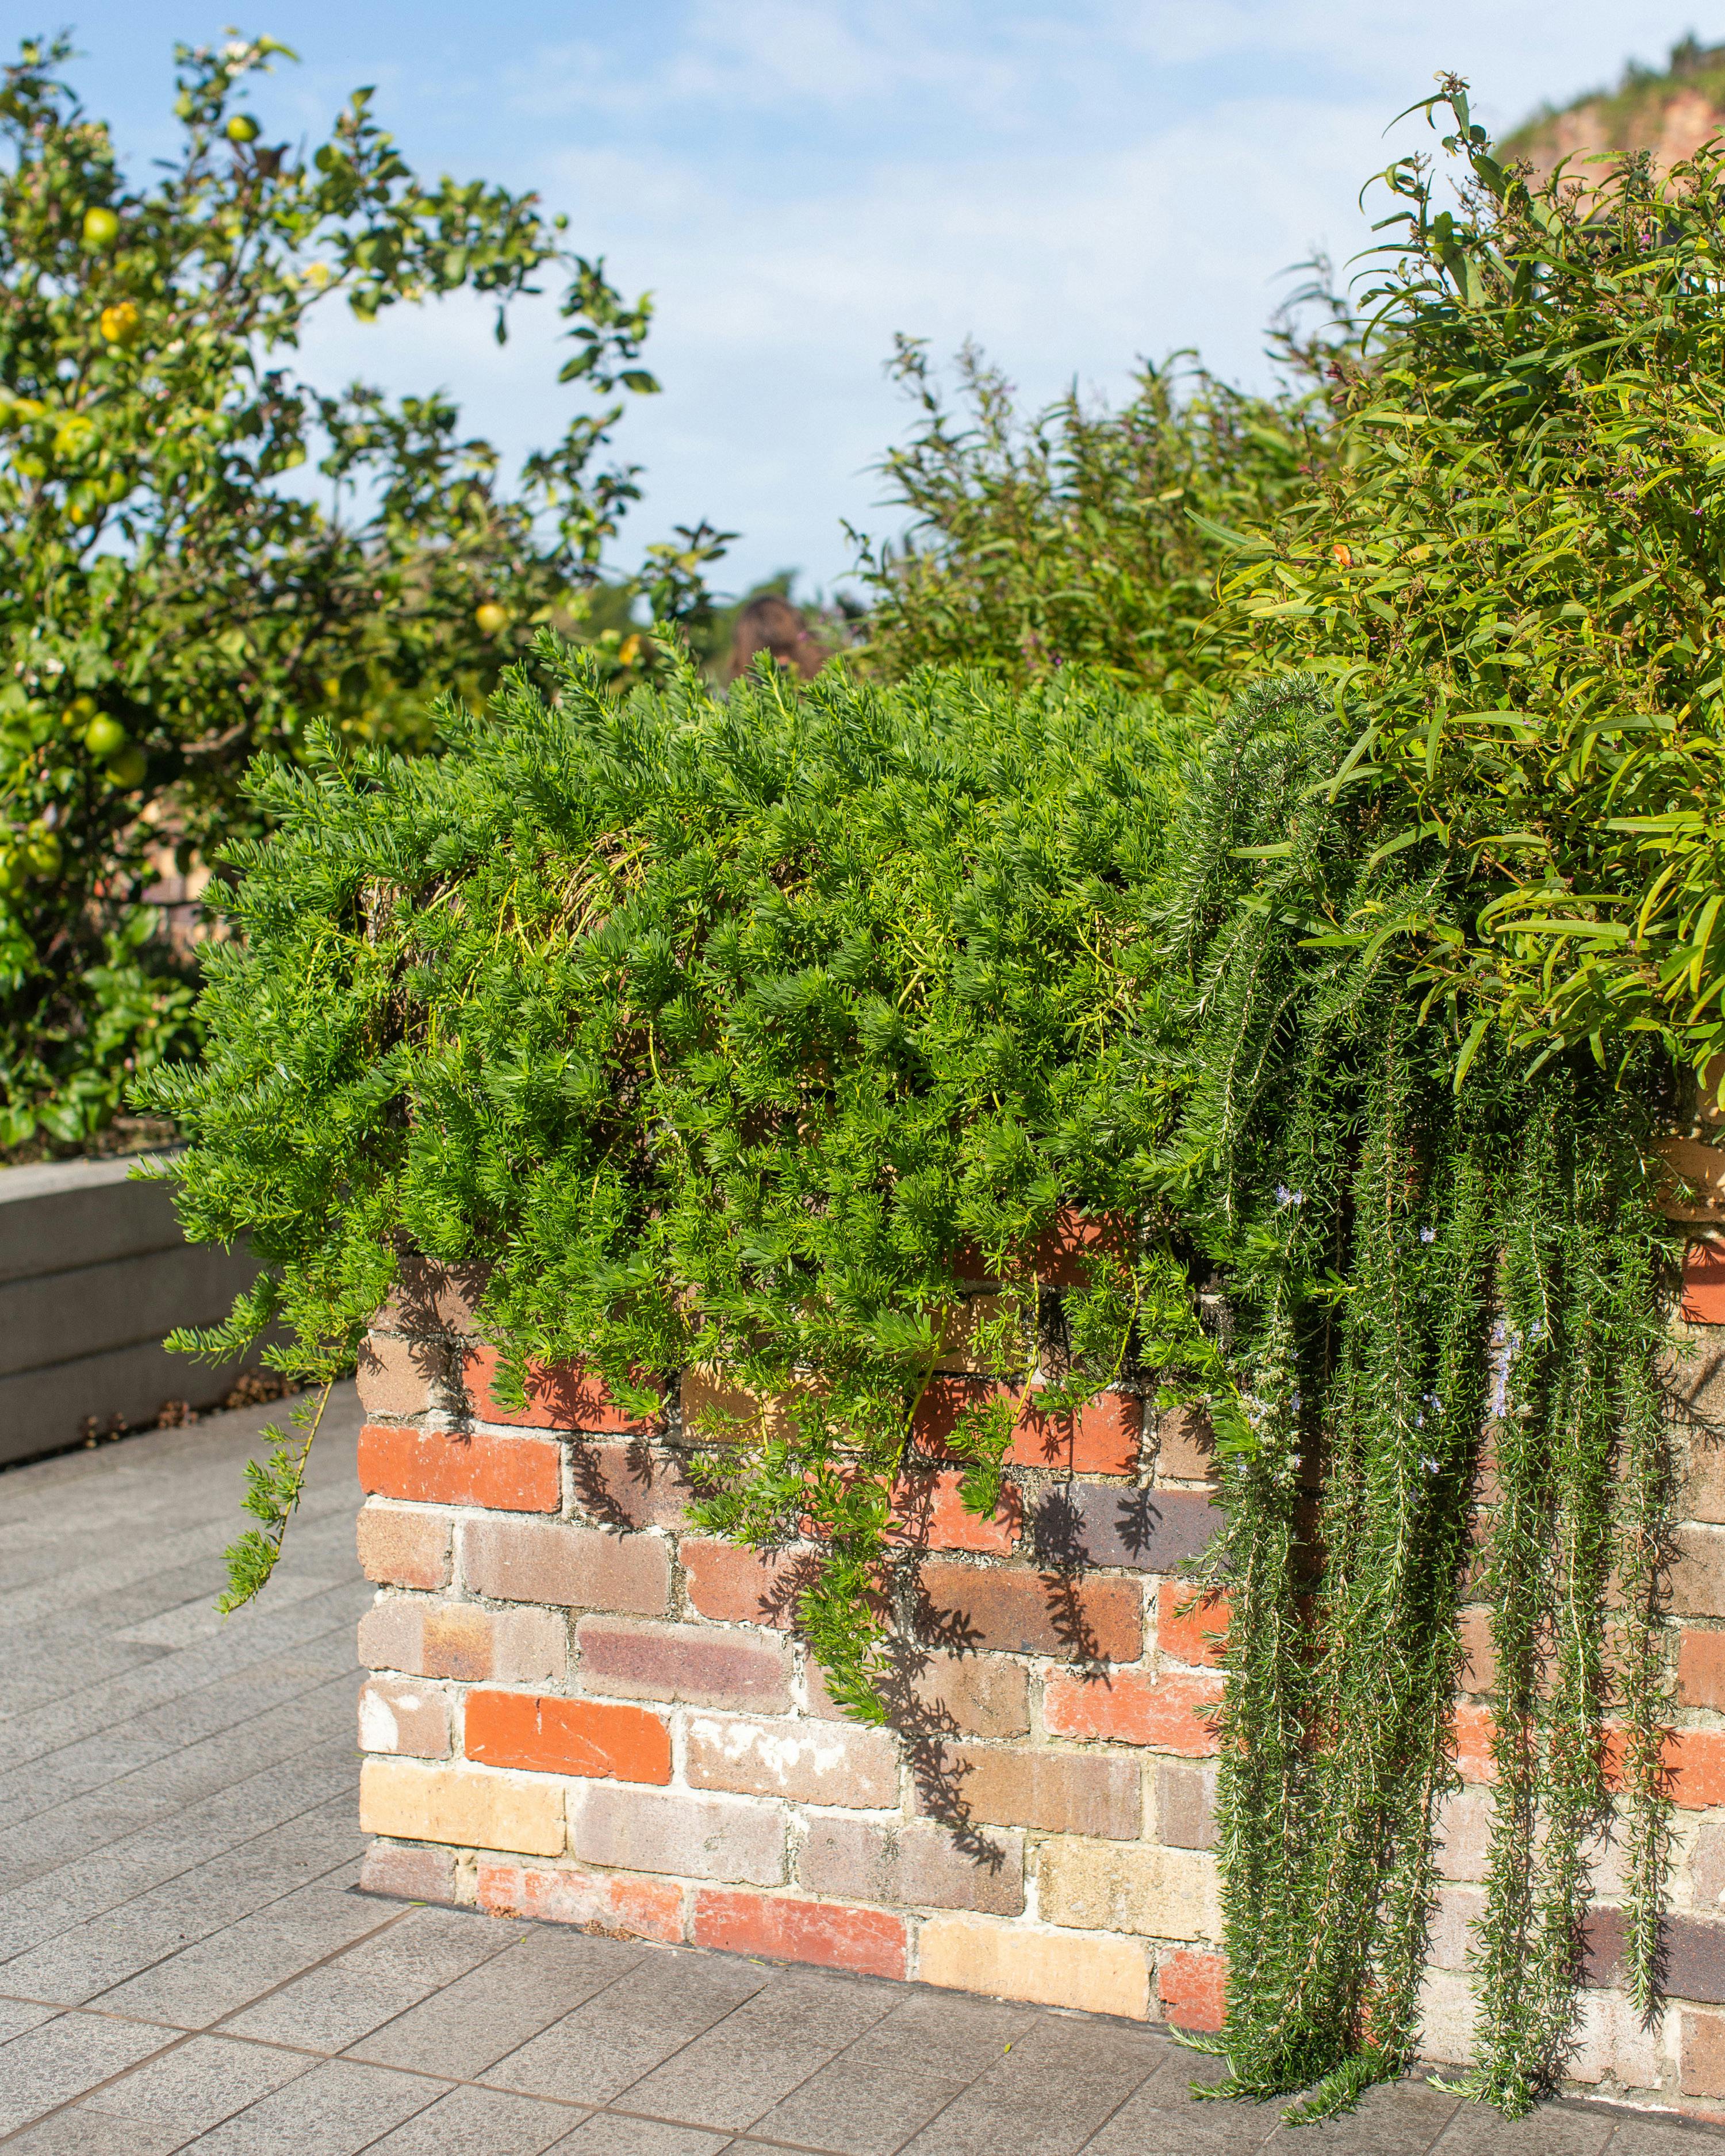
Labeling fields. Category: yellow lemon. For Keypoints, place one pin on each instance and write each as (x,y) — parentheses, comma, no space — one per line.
(101,228)
(120,323)
(491,619)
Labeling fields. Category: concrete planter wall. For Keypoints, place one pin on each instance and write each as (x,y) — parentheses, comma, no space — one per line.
(583,1710)
(94,1272)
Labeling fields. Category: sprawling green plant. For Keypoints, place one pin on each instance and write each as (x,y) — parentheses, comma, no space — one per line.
(169,606)
(1069,538)
(716,1028)
(1426,1279)
(1515,564)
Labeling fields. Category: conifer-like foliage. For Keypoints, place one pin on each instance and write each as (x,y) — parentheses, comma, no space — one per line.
(1441,1292)
(716,1028)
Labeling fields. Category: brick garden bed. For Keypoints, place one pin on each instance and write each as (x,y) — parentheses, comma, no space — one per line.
(582,1709)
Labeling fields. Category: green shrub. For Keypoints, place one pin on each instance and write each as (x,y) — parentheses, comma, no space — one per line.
(1080,535)
(166,607)
(716,1028)
(1516,565)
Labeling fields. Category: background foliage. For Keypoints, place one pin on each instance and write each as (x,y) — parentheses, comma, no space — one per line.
(168,607)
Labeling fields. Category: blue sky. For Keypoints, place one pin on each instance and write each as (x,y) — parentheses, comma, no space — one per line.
(1072,184)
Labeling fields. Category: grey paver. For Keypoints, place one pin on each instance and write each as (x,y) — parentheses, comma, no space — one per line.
(198,2084)
(605,2135)
(480,2121)
(80,2130)
(336,2109)
(469,2025)
(65,2058)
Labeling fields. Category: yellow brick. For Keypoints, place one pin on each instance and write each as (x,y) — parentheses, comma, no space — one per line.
(960,1347)
(471,1806)
(1101,1974)
(1129,1887)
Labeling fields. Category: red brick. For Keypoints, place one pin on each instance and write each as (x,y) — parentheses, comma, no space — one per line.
(1194,1990)
(1475,1729)
(1701,2067)
(813,1763)
(1185,1805)
(1185,1445)
(1186,1620)
(868,1941)
(685,1662)
(399,1377)
(1101,1438)
(407,1872)
(1698,1573)
(1053,1256)
(976,1695)
(929,1511)
(595,1901)
(1090,1792)
(631,1485)
(567,1737)
(571,1567)
(432,1298)
(1701,1669)
(404,1548)
(1027,1613)
(1704,1284)
(689,1834)
(1133,1707)
(913,1864)
(460,1640)
(450,1467)
(741,1587)
(411,1720)
(1695,1761)
(1479,1663)
(559,1396)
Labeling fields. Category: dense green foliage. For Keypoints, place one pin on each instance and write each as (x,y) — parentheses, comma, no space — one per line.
(1072,537)
(716,1028)
(167,606)
(1426,1282)
(1516,565)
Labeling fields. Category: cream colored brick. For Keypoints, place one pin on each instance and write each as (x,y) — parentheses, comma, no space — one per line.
(1611,2043)
(1129,1887)
(471,1806)
(1447,2010)
(1101,1974)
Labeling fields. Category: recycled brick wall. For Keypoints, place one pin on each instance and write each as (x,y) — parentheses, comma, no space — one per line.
(582,1709)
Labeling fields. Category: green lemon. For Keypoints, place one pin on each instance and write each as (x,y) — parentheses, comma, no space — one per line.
(105,737)
(127,769)
(42,850)
(241,128)
(101,228)
(14,875)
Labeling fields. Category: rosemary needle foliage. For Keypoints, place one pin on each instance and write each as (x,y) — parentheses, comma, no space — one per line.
(717,1031)
(1411,1263)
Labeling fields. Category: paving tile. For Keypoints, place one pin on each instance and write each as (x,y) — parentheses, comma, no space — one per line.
(222,1975)
(64,2058)
(604,2135)
(1178,2127)
(1058,2087)
(594,2054)
(736,2073)
(1555,2129)
(477,2121)
(1650,2137)
(861,2108)
(198,2084)
(496,2008)
(333,2006)
(1401,2118)
(18,2014)
(334,2110)
(80,2130)
(944,2030)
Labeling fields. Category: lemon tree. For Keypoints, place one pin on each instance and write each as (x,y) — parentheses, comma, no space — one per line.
(171,602)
